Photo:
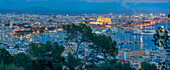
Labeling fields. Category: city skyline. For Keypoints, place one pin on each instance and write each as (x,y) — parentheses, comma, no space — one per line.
(85,34)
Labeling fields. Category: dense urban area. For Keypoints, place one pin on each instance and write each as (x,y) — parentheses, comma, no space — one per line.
(84,42)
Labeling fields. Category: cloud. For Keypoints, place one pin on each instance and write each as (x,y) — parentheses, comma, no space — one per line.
(29,0)
(102,1)
(37,0)
(124,2)
(147,1)
(128,1)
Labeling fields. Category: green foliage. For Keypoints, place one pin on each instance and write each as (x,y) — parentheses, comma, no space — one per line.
(47,56)
(162,65)
(116,66)
(41,31)
(169,17)
(100,43)
(147,66)
(104,44)
(78,33)
(71,62)
(160,39)
(5,57)
(122,66)
(105,66)
(21,59)
(10,67)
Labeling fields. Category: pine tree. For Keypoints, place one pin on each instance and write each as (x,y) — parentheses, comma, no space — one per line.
(169,17)
(100,44)
(161,39)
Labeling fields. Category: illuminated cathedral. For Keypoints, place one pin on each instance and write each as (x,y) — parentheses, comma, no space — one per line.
(102,20)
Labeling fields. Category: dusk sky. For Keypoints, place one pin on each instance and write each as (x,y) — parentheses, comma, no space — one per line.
(88,4)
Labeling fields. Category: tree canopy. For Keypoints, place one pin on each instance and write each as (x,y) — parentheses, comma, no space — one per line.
(115,66)
(71,62)
(10,67)
(47,56)
(5,57)
(21,59)
(161,38)
(100,44)
(147,66)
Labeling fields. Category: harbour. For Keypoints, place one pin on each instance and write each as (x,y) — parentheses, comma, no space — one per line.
(143,41)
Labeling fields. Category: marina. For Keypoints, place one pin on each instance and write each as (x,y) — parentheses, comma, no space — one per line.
(133,40)
(142,40)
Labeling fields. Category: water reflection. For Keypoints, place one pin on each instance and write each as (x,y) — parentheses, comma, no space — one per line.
(141,43)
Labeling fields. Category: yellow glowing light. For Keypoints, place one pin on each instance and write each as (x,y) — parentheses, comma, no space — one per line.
(50,52)
(21,29)
(101,20)
(140,67)
(16,30)
(46,28)
(34,32)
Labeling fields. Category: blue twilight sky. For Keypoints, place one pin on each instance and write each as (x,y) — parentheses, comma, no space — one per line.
(88,4)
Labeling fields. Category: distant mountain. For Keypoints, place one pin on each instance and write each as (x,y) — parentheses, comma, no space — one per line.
(28,10)
(43,10)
